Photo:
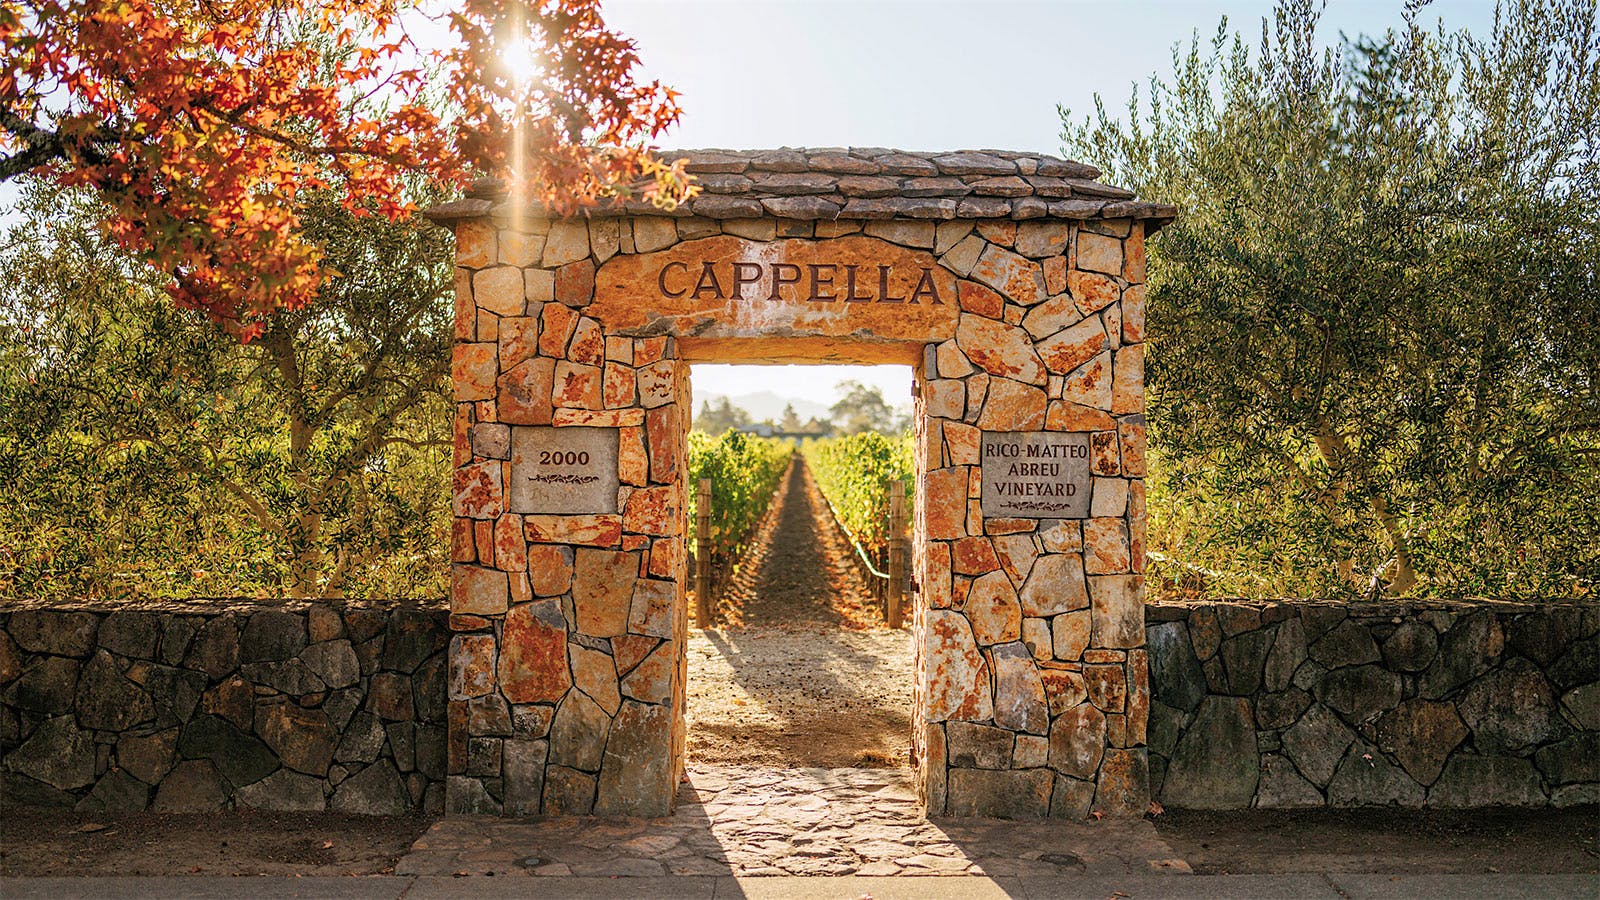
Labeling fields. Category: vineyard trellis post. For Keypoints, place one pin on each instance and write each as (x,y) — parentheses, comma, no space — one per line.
(702,550)
(897,552)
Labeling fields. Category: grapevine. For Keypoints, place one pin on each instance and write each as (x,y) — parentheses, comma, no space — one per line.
(854,473)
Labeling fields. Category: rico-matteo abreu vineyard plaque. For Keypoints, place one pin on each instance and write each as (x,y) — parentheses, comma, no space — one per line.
(1035,474)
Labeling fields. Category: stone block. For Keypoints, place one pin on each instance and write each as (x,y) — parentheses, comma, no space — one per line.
(1030,752)
(595,673)
(1016,277)
(1471,647)
(374,791)
(1316,743)
(1007,794)
(1098,253)
(1510,708)
(649,610)
(650,680)
(1216,764)
(56,632)
(272,636)
(1284,788)
(240,758)
(1175,676)
(992,610)
(1073,346)
(1244,658)
(148,757)
(1123,788)
(1019,697)
(1288,652)
(1360,693)
(567,242)
(1581,706)
(1350,644)
(1411,647)
(283,791)
(46,687)
(130,633)
(578,735)
(1280,709)
(472,665)
(533,654)
(958,681)
(1043,239)
(107,700)
(1092,292)
(636,777)
(1078,741)
(1055,584)
(1575,759)
(999,349)
(303,739)
(1364,777)
(57,754)
(334,662)
(362,740)
(467,796)
(1118,610)
(1421,734)
(603,587)
(568,792)
(116,792)
(1070,634)
(524,776)
(194,786)
(1071,799)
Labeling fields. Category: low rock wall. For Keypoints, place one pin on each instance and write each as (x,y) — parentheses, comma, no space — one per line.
(325,706)
(1291,704)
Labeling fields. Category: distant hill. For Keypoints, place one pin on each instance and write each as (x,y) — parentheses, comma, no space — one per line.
(764,405)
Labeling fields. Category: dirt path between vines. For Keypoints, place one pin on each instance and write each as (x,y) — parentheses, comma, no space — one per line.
(800,671)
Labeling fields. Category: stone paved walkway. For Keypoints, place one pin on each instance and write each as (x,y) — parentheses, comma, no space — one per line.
(750,821)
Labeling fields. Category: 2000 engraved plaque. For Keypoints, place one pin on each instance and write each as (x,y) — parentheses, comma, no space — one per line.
(563,471)
(1035,474)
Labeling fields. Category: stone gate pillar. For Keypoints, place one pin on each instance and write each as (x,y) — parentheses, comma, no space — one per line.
(566,676)
(1030,522)
(1013,283)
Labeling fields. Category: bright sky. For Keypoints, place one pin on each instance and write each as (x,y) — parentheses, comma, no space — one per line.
(923,75)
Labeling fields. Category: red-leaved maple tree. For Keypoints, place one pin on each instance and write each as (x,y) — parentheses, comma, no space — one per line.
(198,121)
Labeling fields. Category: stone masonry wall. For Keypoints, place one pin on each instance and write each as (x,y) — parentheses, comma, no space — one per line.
(192,709)
(1290,704)
(566,685)
(1021,309)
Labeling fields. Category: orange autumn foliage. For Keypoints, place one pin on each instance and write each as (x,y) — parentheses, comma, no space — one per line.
(198,122)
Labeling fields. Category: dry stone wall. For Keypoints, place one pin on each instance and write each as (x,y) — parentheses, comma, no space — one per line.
(1015,287)
(1417,704)
(326,707)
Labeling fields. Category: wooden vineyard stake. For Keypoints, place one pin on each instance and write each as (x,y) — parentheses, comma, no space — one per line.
(897,552)
(702,550)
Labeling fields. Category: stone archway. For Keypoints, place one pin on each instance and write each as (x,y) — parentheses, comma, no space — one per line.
(1013,283)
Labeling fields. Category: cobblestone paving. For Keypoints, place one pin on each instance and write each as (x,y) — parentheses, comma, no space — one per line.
(751,821)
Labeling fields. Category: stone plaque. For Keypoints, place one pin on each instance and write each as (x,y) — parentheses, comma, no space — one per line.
(563,471)
(1036,474)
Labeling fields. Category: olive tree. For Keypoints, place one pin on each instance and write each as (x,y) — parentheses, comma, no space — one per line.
(144,449)
(1375,325)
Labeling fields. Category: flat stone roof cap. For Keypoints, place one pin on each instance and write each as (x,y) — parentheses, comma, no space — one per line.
(871,183)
